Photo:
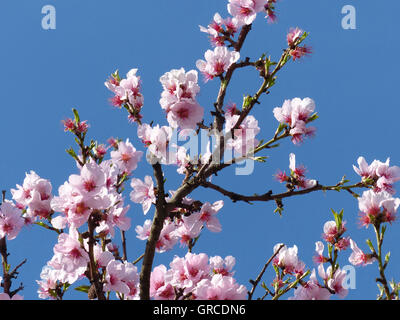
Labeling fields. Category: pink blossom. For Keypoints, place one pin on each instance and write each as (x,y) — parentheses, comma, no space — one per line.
(246,10)
(335,283)
(222,266)
(243,141)
(116,217)
(331,232)
(143,232)
(207,215)
(358,257)
(131,279)
(48,282)
(216,29)
(143,192)
(115,273)
(382,174)
(69,257)
(219,288)
(11,221)
(35,193)
(297,175)
(319,248)
(190,228)
(188,271)
(312,290)
(160,288)
(126,90)
(178,85)
(168,237)
(288,260)
(296,113)
(373,205)
(156,139)
(294,35)
(126,157)
(91,180)
(217,62)
(364,170)
(185,114)
(300,52)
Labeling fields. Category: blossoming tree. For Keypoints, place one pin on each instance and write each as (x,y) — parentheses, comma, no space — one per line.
(88,211)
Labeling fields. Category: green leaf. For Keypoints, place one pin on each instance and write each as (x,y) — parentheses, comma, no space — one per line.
(247,102)
(370,245)
(76,114)
(84,289)
(387,258)
(263,285)
(259,159)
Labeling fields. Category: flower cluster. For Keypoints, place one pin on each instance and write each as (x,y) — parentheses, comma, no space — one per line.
(293,38)
(380,174)
(11,221)
(297,178)
(127,93)
(245,11)
(184,228)
(156,139)
(217,62)
(297,113)
(220,29)
(179,98)
(243,140)
(34,196)
(196,277)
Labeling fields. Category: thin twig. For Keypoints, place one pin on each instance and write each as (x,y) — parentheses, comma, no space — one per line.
(258,279)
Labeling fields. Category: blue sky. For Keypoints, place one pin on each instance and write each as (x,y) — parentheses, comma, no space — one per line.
(351,75)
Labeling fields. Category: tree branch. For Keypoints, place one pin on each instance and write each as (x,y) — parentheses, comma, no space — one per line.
(158,222)
(258,279)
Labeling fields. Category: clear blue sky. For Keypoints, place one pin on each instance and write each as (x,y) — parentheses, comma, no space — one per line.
(352,75)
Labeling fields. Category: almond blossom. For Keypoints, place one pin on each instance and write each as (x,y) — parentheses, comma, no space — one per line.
(243,141)
(382,175)
(246,10)
(185,114)
(222,266)
(11,221)
(334,281)
(297,178)
(217,62)
(375,206)
(69,257)
(160,288)
(288,260)
(311,290)
(156,139)
(35,194)
(296,113)
(126,91)
(219,288)
(126,157)
(143,192)
(358,257)
(217,31)
(115,273)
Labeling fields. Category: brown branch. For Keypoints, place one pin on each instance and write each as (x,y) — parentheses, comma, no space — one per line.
(258,279)
(269,196)
(123,238)
(158,222)
(94,275)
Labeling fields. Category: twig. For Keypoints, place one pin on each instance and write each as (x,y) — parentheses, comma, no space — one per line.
(158,222)
(258,279)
